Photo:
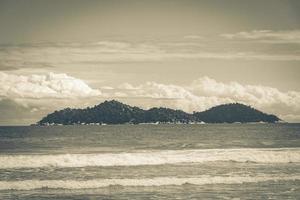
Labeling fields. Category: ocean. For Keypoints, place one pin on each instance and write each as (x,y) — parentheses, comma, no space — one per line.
(165,161)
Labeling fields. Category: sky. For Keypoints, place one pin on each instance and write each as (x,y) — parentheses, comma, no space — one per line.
(182,54)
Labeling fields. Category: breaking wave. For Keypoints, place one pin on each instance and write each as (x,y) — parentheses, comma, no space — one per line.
(267,155)
(158,181)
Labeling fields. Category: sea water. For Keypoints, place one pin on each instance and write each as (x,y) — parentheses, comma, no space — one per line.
(210,161)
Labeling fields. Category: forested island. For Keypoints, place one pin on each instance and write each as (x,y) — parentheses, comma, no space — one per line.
(115,112)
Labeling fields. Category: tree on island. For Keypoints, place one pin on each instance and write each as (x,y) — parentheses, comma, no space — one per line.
(115,112)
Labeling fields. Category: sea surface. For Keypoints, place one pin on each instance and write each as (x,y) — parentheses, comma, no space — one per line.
(210,161)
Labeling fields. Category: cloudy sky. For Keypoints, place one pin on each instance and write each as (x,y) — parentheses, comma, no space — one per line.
(185,54)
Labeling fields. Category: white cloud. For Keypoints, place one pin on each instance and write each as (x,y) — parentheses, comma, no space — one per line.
(157,90)
(38,90)
(291,36)
(44,86)
(259,96)
(69,54)
(106,88)
(170,95)
(230,56)
(127,86)
(205,92)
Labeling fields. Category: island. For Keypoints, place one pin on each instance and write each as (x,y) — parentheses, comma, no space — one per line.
(115,112)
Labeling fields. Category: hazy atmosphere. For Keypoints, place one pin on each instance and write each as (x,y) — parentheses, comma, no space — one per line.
(182,54)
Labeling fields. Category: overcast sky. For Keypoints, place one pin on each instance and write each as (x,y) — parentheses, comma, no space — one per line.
(183,54)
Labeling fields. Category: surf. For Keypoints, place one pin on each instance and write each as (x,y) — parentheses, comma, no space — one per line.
(256,155)
(150,182)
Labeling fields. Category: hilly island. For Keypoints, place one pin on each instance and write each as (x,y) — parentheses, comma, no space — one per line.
(115,112)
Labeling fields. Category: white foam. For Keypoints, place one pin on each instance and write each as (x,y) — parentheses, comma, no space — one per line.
(267,155)
(157,181)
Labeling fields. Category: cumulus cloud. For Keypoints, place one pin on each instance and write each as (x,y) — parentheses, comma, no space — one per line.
(291,36)
(157,90)
(260,96)
(169,95)
(44,86)
(206,92)
(35,91)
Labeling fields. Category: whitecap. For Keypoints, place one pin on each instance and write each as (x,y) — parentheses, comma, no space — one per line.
(257,155)
(149,182)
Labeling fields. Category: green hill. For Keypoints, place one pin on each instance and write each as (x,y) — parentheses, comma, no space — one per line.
(114,112)
(235,112)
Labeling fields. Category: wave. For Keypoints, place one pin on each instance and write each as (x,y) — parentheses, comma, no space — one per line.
(158,181)
(267,155)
